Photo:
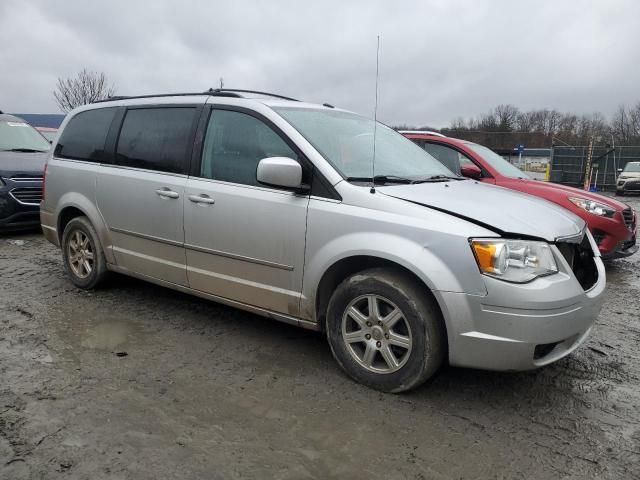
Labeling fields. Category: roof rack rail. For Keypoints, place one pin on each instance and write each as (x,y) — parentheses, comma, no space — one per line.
(422,132)
(187,94)
(216,92)
(258,92)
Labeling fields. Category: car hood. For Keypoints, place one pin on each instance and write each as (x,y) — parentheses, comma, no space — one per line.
(548,190)
(15,163)
(624,175)
(504,211)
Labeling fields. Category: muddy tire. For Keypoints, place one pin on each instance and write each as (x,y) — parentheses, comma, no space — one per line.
(385,331)
(82,254)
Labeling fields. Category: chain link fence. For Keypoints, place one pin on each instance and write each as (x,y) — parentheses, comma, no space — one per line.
(568,165)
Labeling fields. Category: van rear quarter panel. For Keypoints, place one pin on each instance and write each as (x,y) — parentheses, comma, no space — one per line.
(72,183)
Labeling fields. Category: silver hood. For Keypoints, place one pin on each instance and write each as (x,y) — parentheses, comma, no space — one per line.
(504,211)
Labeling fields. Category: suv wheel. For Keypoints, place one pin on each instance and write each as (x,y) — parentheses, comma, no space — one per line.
(82,254)
(384,331)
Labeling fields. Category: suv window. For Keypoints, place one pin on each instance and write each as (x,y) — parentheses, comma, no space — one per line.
(84,136)
(156,138)
(448,156)
(235,144)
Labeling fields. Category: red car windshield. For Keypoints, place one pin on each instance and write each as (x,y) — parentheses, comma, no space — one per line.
(503,167)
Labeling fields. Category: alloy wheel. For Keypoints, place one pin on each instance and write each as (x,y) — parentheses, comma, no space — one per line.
(80,254)
(376,334)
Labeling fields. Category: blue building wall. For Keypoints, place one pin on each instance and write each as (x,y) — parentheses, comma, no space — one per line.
(49,120)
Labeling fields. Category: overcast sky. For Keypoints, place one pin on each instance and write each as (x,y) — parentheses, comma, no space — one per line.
(439,59)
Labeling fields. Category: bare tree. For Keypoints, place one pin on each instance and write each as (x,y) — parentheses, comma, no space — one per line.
(459,124)
(623,126)
(506,116)
(85,87)
(524,122)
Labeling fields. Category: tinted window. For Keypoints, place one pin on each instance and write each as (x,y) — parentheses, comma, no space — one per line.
(84,136)
(156,138)
(234,145)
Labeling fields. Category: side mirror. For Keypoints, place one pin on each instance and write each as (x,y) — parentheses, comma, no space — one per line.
(619,170)
(471,171)
(280,172)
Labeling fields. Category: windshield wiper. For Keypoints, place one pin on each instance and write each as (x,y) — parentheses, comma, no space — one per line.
(381,179)
(437,178)
(24,150)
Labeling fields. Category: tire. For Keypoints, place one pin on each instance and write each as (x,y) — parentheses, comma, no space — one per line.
(75,233)
(419,322)
(619,193)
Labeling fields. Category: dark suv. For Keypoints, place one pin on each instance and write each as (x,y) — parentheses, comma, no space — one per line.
(22,158)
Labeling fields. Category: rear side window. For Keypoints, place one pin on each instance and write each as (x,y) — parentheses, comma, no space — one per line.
(84,136)
(235,144)
(156,138)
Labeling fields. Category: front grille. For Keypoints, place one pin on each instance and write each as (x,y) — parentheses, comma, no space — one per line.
(19,179)
(628,244)
(27,195)
(627,214)
(580,257)
(632,185)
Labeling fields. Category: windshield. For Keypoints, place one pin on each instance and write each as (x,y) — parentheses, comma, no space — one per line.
(20,136)
(345,140)
(632,167)
(497,162)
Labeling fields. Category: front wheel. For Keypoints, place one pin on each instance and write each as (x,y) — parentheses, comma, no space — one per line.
(385,331)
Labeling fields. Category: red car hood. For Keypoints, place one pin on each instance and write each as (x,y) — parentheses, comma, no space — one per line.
(554,192)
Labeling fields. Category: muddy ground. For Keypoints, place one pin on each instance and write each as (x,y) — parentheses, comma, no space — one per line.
(135,381)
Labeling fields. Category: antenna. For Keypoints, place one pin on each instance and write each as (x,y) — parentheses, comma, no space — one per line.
(375,121)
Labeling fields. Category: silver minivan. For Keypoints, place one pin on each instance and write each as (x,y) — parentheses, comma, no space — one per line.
(277,207)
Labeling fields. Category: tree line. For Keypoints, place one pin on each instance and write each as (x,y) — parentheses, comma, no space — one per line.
(622,129)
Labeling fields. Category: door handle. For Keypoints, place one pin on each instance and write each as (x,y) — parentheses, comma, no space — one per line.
(202,199)
(166,193)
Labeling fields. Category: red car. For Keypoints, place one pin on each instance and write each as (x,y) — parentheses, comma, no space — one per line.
(612,223)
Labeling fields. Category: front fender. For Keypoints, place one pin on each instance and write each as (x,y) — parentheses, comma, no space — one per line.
(421,258)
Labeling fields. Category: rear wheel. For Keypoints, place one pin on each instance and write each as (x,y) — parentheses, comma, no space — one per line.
(82,253)
(385,331)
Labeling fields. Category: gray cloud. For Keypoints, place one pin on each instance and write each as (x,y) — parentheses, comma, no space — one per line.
(440,59)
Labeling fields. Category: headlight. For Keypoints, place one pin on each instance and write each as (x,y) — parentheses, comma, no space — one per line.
(516,261)
(592,207)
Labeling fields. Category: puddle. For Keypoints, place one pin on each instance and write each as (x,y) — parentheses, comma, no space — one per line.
(106,336)
(90,328)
